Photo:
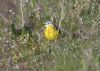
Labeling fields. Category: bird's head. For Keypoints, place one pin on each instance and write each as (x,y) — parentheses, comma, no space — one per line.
(48,23)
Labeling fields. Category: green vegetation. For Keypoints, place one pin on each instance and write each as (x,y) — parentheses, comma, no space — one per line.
(25,48)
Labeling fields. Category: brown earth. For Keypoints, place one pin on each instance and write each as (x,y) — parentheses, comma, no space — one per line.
(8,8)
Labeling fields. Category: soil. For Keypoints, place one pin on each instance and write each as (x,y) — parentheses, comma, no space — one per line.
(8,8)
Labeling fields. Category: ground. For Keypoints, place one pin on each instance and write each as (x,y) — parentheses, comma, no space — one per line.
(23,46)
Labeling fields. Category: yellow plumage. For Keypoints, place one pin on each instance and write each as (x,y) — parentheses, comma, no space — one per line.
(51,33)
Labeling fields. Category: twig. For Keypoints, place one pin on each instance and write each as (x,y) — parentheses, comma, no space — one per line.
(5,19)
(22,14)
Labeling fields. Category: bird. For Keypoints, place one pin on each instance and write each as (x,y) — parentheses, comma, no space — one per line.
(51,32)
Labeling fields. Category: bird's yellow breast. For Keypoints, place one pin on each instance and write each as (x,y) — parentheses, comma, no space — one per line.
(51,33)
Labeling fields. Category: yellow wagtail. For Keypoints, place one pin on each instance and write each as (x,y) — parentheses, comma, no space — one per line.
(51,32)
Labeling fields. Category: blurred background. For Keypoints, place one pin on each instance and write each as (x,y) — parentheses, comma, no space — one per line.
(23,46)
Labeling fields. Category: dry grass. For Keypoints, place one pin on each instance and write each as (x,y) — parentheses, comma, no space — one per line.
(23,47)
